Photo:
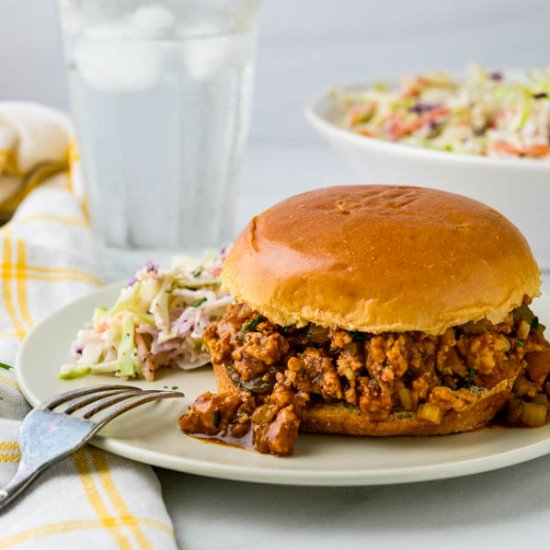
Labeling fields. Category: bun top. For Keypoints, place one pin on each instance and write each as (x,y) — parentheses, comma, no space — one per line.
(381,258)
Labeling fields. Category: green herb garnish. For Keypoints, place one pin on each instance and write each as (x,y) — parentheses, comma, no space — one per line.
(535,323)
(471,374)
(251,325)
(76,373)
(357,336)
(174,387)
(5,367)
(199,284)
(196,272)
(520,343)
(523,312)
(199,302)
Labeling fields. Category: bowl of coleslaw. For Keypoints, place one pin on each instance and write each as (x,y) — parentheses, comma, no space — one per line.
(485,135)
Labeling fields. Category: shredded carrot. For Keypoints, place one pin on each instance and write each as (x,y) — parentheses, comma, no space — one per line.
(531,151)
(103,327)
(504,147)
(537,151)
(410,91)
(404,128)
(361,112)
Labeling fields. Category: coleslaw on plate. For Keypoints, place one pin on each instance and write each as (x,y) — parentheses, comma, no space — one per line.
(484,114)
(157,321)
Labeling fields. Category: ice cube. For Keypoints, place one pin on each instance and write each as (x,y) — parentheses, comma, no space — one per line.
(152,21)
(207,56)
(122,55)
(118,64)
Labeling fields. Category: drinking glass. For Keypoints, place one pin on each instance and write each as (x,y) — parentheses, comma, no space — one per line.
(161,95)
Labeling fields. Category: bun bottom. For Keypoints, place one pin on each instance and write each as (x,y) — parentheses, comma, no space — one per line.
(344,419)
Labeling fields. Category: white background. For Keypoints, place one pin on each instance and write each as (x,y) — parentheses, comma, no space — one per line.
(307,45)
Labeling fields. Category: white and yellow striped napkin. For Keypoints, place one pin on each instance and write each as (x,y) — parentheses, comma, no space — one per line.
(92,500)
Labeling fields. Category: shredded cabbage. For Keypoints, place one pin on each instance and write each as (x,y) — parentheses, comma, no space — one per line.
(484,114)
(158,321)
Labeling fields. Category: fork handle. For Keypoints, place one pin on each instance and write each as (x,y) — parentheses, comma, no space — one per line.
(22,479)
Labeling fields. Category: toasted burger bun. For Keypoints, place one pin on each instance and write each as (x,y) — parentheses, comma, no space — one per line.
(379,259)
(341,418)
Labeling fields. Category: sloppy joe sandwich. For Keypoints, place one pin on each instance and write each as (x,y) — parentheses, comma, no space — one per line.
(374,311)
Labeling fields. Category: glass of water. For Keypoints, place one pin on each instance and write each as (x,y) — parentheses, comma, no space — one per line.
(161,94)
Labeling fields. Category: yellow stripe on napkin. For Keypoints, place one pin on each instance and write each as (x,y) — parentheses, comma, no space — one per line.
(8,163)
(64,220)
(9,452)
(9,458)
(8,381)
(40,273)
(21,283)
(7,273)
(83,468)
(102,468)
(76,525)
(9,446)
(32,180)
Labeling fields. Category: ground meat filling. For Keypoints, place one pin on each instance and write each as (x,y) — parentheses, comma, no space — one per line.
(281,370)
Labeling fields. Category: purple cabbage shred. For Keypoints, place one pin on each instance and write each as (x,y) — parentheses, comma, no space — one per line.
(420,108)
(151,266)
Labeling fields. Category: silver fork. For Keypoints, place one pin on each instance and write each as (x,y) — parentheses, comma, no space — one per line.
(64,423)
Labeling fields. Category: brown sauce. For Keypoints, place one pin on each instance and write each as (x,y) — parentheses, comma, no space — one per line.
(244,442)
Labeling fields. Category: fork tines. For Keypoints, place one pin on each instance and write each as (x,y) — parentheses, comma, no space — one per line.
(116,395)
(100,404)
(67,396)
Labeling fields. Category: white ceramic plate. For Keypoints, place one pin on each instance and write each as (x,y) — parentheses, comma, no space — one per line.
(150,434)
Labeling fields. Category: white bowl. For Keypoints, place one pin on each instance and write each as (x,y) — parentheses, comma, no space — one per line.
(518,188)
